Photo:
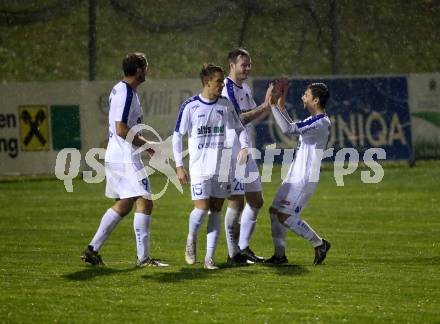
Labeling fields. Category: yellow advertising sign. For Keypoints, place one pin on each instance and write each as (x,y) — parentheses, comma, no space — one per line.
(34,130)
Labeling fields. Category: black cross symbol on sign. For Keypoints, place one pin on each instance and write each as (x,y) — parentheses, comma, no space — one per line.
(34,125)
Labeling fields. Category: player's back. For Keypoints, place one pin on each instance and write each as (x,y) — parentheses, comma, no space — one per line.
(124,107)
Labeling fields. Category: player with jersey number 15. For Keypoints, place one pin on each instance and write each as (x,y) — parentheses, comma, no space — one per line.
(205,118)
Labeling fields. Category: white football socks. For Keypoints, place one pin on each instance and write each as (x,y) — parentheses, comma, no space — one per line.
(303,229)
(248,221)
(196,219)
(278,235)
(108,222)
(141,226)
(232,228)
(213,232)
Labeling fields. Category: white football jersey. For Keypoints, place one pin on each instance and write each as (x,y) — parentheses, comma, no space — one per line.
(206,123)
(124,107)
(242,100)
(314,132)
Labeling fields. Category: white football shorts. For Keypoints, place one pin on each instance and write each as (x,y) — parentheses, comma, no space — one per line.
(250,181)
(291,198)
(126,180)
(205,188)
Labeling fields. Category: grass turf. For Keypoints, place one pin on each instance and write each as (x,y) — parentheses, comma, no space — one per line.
(383,265)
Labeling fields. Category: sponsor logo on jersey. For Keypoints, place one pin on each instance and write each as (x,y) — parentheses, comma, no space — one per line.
(194,108)
(200,116)
(220,112)
(210,146)
(285,202)
(204,130)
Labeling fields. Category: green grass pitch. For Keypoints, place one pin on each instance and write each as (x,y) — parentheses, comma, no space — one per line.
(384,265)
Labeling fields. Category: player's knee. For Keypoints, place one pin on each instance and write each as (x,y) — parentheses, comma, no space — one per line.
(255,199)
(202,204)
(216,204)
(123,206)
(256,203)
(237,204)
(282,217)
(146,209)
(144,206)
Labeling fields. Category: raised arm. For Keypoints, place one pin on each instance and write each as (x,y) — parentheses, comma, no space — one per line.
(285,123)
(259,113)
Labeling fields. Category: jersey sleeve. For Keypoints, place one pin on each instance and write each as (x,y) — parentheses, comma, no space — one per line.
(120,103)
(177,148)
(308,126)
(183,124)
(287,127)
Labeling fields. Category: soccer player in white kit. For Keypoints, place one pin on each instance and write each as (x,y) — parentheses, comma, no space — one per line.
(126,180)
(205,118)
(238,235)
(303,175)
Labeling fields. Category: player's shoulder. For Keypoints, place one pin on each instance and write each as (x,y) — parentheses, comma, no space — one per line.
(321,119)
(190,101)
(322,122)
(121,88)
(326,120)
(229,83)
(245,86)
(224,101)
(314,121)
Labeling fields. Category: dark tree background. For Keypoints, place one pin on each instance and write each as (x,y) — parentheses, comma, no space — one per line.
(86,39)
